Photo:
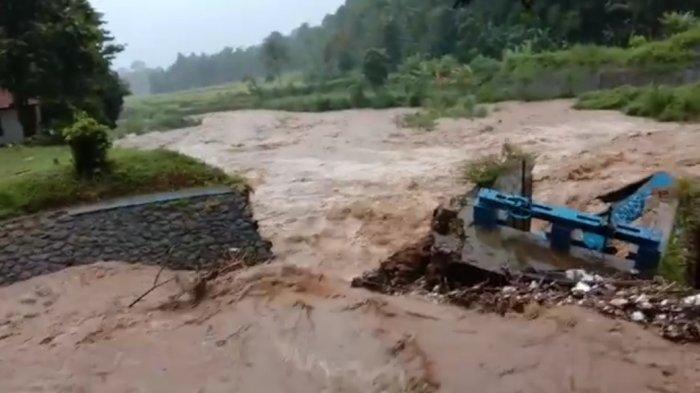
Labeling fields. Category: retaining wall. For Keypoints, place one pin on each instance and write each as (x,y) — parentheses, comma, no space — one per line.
(182,230)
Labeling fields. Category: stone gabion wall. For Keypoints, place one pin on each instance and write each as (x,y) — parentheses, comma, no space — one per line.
(178,232)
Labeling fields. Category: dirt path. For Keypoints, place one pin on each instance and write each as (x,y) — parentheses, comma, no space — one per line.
(337,193)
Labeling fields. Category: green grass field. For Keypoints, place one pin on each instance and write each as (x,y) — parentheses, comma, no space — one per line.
(38,178)
(179,109)
(174,110)
(169,111)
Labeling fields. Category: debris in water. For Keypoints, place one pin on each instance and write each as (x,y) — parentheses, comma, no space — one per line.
(692,300)
(447,266)
(638,316)
(580,275)
(581,289)
(665,308)
(619,302)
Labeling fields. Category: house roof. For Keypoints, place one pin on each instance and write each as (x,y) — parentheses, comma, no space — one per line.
(7,101)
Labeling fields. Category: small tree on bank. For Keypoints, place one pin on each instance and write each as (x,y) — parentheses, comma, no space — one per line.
(376,67)
(89,143)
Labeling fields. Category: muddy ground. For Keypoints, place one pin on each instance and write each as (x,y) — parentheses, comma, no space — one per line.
(337,193)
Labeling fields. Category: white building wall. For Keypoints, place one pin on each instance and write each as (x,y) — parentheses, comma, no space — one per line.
(11,127)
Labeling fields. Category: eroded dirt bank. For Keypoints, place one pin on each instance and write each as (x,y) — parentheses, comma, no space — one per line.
(337,193)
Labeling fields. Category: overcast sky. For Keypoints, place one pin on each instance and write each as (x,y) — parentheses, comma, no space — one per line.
(156,30)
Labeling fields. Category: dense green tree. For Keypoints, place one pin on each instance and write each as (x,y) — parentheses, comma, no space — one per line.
(338,55)
(442,31)
(274,53)
(376,67)
(59,52)
(137,78)
(189,71)
(391,38)
(111,97)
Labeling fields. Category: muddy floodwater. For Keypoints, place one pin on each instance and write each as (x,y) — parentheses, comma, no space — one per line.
(337,193)
(341,191)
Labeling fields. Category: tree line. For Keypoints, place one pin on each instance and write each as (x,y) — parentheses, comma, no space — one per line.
(428,28)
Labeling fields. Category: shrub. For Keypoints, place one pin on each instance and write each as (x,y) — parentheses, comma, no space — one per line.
(328,103)
(384,99)
(637,40)
(481,111)
(376,67)
(89,142)
(442,100)
(467,107)
(171,121)
(358,99)
(493,92)
(675,22)
(423,120)
(609,99)
(485,65)
(415,100)
(339,103)
(322,104)
(486,170)
(253,86)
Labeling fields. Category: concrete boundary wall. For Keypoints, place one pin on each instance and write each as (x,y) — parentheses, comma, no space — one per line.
(181,230)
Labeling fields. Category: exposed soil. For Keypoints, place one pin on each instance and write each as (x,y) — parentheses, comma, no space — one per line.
(338,193)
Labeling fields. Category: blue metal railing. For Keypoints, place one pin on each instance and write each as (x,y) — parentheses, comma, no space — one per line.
(565,220)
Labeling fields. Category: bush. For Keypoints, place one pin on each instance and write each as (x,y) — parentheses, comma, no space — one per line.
(486,170)
(323,104)
(423,120)
(384,99)
(376,67)
(415,100)
(482,65)
(89,142)
(358,99)
(675,23)
(637,41)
